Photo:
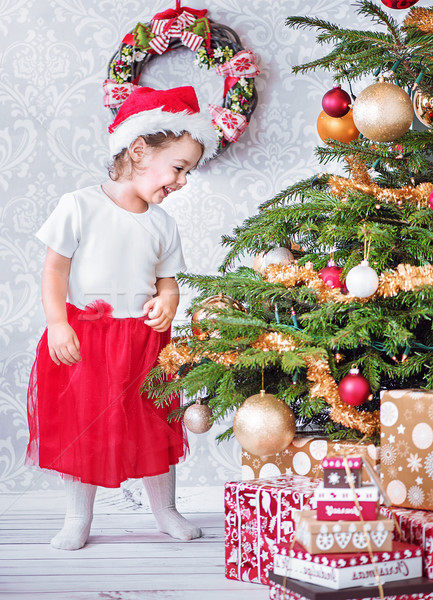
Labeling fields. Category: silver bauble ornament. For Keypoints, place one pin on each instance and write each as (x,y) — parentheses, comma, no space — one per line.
(197,417)
(264,425)
(277,256)
(362,281)
(383,112)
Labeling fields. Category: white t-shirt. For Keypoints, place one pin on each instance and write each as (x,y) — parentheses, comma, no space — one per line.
(116,254)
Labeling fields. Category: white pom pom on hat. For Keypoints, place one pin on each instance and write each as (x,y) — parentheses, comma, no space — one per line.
(147,111)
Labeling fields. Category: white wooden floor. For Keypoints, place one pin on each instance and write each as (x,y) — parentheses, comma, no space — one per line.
(126,559)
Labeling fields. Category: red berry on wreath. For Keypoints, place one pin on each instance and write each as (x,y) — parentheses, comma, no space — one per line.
(399,4)
(354,389)
(336,102)
(331,275)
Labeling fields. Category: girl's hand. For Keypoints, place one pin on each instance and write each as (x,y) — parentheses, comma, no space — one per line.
(159,312)
(63,344)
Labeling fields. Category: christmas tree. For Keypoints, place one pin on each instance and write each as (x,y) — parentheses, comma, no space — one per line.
(342,275)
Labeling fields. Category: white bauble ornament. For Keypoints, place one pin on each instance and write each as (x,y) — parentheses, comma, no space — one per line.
(362,281)
(276,256)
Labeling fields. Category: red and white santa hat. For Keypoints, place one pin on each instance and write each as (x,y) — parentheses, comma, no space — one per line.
(147,111)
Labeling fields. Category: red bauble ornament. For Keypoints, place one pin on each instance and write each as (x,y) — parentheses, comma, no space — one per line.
(331,275)
(354,389)
(399,4)
(336,102)
(342,129)
(431,200)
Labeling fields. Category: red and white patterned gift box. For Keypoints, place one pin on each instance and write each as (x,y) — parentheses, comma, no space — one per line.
(339,504)
(417,528)
(258,514)
(337,571)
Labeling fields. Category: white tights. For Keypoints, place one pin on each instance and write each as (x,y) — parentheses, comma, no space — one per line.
(161,491)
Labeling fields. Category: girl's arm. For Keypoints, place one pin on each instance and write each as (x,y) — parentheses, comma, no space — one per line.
(63,343)
(161,309)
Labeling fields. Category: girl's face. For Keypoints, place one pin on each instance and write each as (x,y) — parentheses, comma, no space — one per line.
(161,171)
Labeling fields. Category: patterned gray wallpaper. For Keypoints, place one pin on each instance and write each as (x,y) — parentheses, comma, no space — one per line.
(53,60)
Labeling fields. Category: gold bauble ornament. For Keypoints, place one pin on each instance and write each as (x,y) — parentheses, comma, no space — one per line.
(277,256)
(383,112)
(264,425)
(205,311)
(423,106)
(341,129)
(197,417)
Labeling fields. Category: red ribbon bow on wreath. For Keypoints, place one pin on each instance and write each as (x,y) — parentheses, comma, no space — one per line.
(232,124)
(173,24)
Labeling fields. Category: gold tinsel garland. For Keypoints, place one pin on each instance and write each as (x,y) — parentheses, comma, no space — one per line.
(404,278)
(421,18)
(178,353)
(413,194)
(361,181)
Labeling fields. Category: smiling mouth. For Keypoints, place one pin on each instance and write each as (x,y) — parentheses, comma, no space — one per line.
(167,191)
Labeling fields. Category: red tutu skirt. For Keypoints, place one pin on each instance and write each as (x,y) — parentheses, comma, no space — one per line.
(90,420)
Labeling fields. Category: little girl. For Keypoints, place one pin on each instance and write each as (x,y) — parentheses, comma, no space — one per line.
(110,295)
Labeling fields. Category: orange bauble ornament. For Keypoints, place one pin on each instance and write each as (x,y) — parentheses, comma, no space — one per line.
(342,129)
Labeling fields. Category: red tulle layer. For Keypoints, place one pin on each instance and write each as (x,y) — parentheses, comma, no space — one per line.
(89,420)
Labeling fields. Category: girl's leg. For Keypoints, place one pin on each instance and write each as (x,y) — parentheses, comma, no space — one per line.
(78,518)
(161,492)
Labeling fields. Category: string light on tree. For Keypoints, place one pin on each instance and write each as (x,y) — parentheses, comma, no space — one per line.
(383,112)
(336,102)
(354,388)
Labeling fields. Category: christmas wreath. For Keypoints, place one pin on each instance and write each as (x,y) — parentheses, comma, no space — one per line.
(216,46)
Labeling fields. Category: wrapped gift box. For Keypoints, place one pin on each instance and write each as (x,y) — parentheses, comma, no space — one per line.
(416,528)
(340,571)
(304,457)
(407,447)
(258,514)
(320,537)
(339,504)
(334,471)
(284,588)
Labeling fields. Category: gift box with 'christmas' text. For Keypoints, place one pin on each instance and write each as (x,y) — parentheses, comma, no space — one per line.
(284,588)
(341,571)
(258,514)
(407,447)
(416,527)
(304,457)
